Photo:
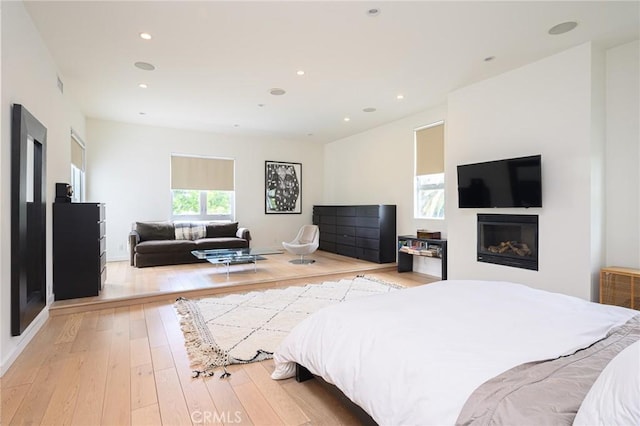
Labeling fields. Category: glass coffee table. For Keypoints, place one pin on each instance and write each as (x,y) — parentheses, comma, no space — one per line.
(232,256)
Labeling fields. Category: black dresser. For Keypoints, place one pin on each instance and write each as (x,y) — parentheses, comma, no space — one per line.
(79,249)
(365,232)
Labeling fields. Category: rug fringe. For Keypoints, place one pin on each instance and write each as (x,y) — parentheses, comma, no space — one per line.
(204,354)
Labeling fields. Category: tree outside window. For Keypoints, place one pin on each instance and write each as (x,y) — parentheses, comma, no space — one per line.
(190,204)
(430,196)
(202,188)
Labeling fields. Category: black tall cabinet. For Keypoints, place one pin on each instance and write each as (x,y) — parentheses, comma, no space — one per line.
(79,249)
(365,232)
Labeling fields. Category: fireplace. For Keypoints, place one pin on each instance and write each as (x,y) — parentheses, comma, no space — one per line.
(510,240)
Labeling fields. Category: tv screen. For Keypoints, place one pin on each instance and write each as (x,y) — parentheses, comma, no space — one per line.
(514,182)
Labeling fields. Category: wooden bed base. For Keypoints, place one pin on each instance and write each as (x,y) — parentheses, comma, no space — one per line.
(302,374)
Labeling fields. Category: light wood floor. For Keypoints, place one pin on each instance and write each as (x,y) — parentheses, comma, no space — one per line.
(128,365)
(126,285)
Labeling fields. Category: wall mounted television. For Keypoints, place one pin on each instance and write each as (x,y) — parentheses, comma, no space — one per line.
(513,182)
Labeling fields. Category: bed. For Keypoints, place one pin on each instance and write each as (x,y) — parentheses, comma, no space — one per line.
(474,352)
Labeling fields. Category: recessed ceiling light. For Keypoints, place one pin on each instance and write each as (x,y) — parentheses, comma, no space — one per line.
(489,58)
(145,66)
(145,36)
(142,85)
(400,96)
(562,28)
(370,109)
(374,11)
(347,119)
(300,72)
(277,92)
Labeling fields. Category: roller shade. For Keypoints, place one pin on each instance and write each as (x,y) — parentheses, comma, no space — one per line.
(430,150)
(77,154)
(204,174)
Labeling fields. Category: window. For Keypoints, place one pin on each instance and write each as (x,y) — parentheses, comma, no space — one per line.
(202,188)
(429,172)
(77,168)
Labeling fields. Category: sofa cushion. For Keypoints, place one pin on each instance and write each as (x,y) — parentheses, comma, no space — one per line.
(190,231)
(165,246)
(220,243)
(217,229)
(155,231)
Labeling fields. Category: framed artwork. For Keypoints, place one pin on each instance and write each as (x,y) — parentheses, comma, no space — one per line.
(283,187)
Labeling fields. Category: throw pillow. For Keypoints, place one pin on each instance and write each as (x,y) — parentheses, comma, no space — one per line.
(218,229)
(155,230)
(190,231)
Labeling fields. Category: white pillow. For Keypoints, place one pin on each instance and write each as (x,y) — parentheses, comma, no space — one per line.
(614,398)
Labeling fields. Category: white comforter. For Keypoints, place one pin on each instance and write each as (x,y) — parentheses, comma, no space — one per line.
(413,357)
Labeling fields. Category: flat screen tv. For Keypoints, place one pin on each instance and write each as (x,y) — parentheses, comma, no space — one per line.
(514,182)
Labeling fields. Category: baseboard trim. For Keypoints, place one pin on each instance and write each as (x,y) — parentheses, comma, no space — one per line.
(25,338)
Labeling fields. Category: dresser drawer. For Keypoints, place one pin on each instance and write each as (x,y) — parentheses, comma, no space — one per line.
(324,210)
(325,236)
(368,233)
(347,231)
(368,243)
(346,250)
(103,261)
(328,220)
(103,278)
(328,246)
(346,211)
(370,211)
(370,255)
(346,240)
(103,244)
(368,222)
(346,220)
(326,228)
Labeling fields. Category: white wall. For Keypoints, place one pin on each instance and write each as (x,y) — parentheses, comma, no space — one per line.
(554,107)
(542,108)
(377,167)
(29,78)
(622,152)
(128,169)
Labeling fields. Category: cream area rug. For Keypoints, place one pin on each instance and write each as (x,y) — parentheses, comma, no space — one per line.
(243,328)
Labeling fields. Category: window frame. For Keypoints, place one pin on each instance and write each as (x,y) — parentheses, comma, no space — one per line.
(77,175)
(202,198)
(416,196)
(203,216)
(417,214)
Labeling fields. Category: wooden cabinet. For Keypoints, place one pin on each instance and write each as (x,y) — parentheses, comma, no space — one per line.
(365,232)
(79,249)
(620,287)
(409,246)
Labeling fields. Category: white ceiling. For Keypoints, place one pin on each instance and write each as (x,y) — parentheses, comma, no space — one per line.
(216,61)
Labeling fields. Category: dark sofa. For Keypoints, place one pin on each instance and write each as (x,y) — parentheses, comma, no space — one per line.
(169,243)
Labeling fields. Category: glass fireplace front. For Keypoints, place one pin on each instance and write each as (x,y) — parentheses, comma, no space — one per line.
(510,240)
